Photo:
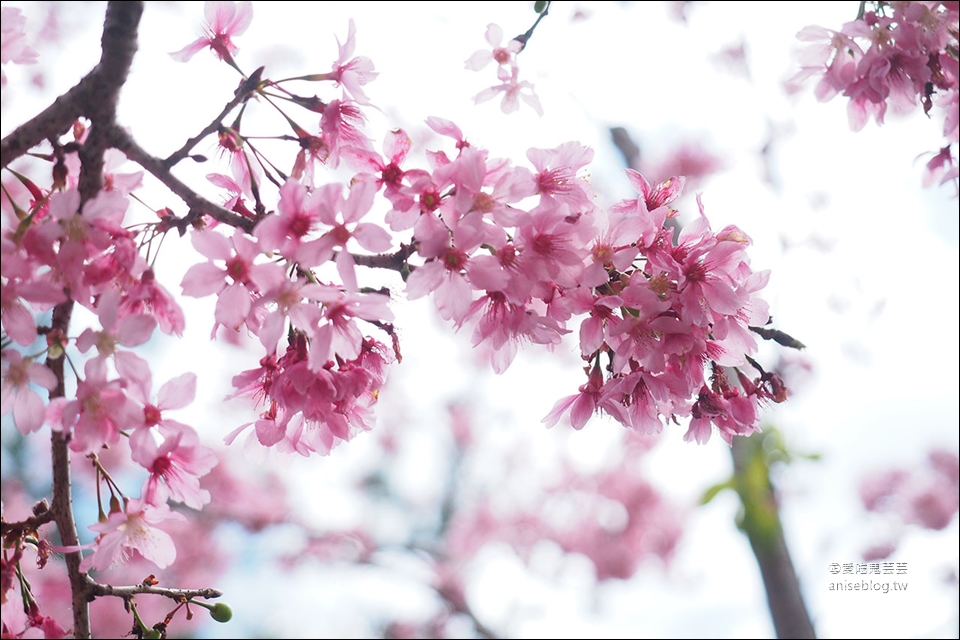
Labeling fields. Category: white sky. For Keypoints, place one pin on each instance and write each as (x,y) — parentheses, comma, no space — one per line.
(885,389)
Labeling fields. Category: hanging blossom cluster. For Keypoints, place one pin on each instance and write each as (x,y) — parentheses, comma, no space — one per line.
(514,253)
(897,55)
(518,254)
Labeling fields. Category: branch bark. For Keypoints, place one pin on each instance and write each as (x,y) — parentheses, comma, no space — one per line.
(95,97)
(62,507)
(123,141)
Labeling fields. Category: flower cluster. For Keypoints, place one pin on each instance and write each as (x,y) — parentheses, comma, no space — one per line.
(515,253)
(508,73)
(899,55)
(927,495)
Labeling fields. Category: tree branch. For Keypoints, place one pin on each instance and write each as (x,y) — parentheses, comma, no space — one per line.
(396,261)
(97,589)
(118,45)
(761,524)
(123,141)
(779,337)
(242,94)
(62,507)
(41,516)
(53,121)
(95,96)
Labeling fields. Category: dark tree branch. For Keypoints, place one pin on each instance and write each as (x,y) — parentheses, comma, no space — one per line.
(118,45)
(779,337)
(394,261)
(524,37)
(123,141)
(62,507)
(247,87)
(627,147)
(54,121)
(41,516)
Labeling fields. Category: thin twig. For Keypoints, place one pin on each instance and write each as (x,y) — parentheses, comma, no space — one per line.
(178,595)
(123,141)
(243,93)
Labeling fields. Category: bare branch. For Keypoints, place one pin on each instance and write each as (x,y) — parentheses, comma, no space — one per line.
(97,589)
(395,261)
(159,169)
(53,121)
(62,507)
(779,337)
(243,93)
(24,527)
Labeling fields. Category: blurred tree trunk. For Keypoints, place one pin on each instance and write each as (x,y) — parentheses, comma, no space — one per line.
(760,522)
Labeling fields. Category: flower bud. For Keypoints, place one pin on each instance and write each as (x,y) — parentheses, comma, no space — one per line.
(221,612)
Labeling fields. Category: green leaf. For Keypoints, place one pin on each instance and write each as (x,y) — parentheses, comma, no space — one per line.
(712,492)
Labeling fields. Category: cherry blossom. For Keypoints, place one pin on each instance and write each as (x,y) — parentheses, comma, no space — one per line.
(13,40)
(515,254)
(223,21)
(513,90)
(133,530)
(505,56)
(352,73)
(25,403)
(237,283)
(100,410)
(899,55)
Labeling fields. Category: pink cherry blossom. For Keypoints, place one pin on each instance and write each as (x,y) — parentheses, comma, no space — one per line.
(150,297)
(20,298)
(297,216)
(237,283)
(505,56)
(101,408)
(311,411)
(130,331)
(223,20)
(390,176)
(338,334)
(133,531)
(342,127)
(176,463)
(352,73)
(245,171)
(13,40)
(898,55)
(556,176)
(513,90)
(337,213)
(26,404)
(581,405)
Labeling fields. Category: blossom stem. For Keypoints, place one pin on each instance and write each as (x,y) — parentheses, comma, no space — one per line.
(523,38)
